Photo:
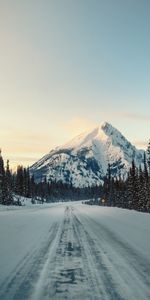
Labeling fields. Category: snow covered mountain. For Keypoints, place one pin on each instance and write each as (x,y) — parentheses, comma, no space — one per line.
(84,160)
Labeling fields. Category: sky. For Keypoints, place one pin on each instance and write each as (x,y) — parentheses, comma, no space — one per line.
(68,65)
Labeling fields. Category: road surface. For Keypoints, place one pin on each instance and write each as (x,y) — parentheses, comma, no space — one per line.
(74,251)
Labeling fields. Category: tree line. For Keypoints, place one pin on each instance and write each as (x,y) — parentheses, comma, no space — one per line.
(21,183)
(6,196)
(18,183)
(134,191)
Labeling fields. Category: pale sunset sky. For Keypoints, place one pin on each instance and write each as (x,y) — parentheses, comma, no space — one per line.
(68,65)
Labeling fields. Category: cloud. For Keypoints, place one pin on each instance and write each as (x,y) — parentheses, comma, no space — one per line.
(23,147)
(24,141)
(23,135)
(20,160)
(126,115)
(77,125)
(135,117)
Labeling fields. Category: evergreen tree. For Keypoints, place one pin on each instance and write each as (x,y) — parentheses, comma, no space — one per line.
(32,189)
(20,187)
(2,174)
(145,166)
(8,187)
(28,188)
(141,203)
(24,182)
(148,156)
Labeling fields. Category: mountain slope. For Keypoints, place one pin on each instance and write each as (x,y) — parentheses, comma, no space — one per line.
(84,160)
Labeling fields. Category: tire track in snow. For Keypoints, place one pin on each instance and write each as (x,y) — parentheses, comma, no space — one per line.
(103,285)
(79,259)
(67,271)
(129,269)
(79,269)
(20,285)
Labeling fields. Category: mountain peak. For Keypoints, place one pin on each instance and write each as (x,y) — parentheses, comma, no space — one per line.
(83,161)
(105,124)
(108,128)
(101,132)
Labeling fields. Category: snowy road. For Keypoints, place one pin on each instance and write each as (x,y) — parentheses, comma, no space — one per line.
(74,251)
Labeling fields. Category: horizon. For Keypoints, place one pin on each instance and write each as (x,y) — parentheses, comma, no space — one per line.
(14,166)
(66,67)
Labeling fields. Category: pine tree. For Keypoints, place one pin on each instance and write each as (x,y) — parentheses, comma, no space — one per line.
(145,183)
(8,183)
(131,183)
(148,181)
(24,182)
(28,190)
(145,166)
(107,186)
(141,190)
(148,156)
(32,189)
(148,196)
(20,188)
(2,173)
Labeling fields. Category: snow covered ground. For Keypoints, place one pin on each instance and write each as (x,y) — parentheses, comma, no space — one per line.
(74,251)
